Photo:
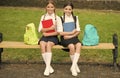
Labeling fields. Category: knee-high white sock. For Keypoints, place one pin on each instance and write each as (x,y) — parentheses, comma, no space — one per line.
(72,57)
(46,72)
(75,60)
(44,57)
(76,66)
(47,59)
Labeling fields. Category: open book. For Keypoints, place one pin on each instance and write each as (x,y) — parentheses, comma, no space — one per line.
(68,27)
(48,23)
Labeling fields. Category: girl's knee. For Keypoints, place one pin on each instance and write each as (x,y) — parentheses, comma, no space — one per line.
(78,45)
(42,43)
(50,44)
(71,46)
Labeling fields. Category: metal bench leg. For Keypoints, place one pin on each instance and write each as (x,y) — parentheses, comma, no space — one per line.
(115,51)
(1,49)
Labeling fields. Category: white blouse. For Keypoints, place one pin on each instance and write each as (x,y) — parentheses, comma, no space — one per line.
(70,19)
(52,16)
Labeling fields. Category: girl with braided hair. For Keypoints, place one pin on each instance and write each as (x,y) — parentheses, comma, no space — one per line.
(48,40)
(70,39)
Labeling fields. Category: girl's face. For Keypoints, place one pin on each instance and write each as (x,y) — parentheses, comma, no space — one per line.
(68,10)
(50,8)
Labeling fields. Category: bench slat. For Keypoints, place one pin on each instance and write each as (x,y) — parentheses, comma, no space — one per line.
(16,44)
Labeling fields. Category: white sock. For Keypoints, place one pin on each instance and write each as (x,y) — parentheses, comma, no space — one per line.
(47,59)
(76,66)
(48,63)
(76,58)
(72,57)
(44,57)
(74,63)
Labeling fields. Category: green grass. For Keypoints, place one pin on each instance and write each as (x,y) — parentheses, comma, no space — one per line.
(14,19)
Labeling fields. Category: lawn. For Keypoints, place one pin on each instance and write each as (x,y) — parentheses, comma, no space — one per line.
(14,19)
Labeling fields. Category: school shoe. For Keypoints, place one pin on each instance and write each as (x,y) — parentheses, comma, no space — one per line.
(77,69)
(46,72)
(51,70)
(73,71)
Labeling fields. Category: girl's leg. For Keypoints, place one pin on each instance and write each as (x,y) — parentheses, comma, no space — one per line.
(71,48)
(48,68)
(49,46)
(43,46)
(43,50)
(74,63)
(75,57)
(78,47)
(72,52)
(76,67)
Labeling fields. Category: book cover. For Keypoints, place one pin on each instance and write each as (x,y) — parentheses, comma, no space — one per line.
(68,27)
(48,23)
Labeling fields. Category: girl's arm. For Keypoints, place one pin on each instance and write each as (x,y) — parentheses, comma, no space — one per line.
(71,36)
(50,34)
(41,29)
(48,29)
(67,33)
(77,30)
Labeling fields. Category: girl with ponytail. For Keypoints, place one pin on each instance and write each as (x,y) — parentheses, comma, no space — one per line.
(70,39)
(48,40)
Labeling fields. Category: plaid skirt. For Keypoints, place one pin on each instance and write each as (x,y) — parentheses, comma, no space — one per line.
(53,39)
(66,42)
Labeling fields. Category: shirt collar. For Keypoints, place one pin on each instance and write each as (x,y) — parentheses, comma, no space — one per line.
(52,15)
(68,16)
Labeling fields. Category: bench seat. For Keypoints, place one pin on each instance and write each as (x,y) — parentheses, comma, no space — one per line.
(16,44)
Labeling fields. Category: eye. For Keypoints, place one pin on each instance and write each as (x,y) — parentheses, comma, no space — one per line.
(70,9)
(48,7)
(52,7)
(66,9)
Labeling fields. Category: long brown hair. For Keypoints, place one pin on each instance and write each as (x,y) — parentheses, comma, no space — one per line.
(50,2)
(68,4)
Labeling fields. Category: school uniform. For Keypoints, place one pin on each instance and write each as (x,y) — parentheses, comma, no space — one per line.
(74,40)
(54,18)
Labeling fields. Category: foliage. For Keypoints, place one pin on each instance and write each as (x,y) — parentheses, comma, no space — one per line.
(82,4)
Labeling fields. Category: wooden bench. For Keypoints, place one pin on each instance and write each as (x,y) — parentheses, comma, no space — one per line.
(15,44)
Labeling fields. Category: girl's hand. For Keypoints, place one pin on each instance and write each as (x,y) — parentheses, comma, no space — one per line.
(53,27)
(74,31)
(67,37)
(45,34)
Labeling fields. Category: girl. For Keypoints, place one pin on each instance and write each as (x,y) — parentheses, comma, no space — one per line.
(70,39)
(48,40)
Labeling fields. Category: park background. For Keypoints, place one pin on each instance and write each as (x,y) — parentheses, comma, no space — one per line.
(16,14)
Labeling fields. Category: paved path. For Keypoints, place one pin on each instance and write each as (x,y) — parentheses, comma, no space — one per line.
(61,71)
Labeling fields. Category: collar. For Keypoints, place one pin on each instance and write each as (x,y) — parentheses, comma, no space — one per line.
(68,16)
(52,15)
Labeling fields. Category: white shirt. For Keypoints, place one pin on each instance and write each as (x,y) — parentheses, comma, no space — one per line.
(52,16)
(70,19)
